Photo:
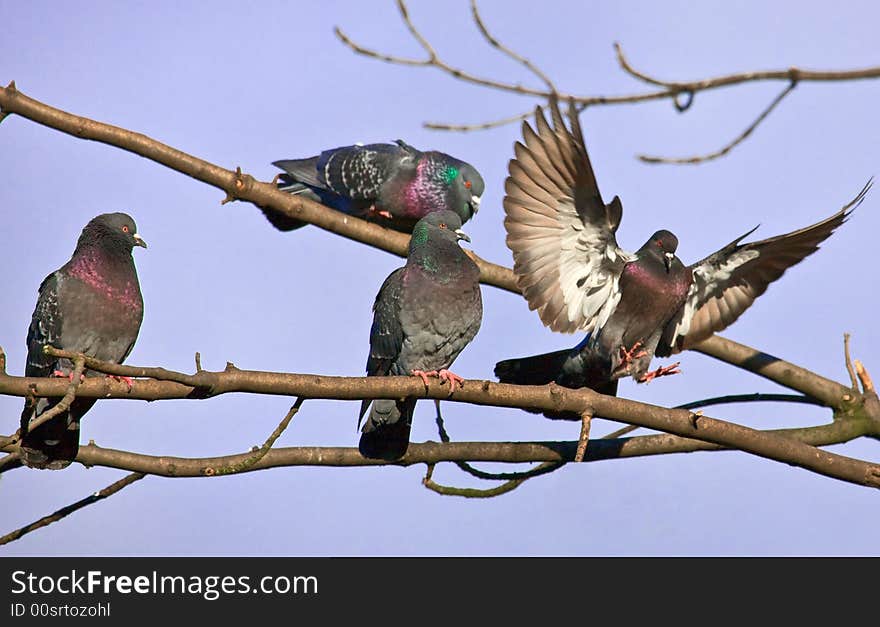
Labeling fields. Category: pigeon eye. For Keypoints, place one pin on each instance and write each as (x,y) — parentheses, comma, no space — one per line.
(125,229)
(659,243)
(442,225)
(467,184)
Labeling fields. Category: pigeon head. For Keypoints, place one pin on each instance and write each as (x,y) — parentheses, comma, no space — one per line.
(661,245)
(114,232)
(463,184)
(436,227)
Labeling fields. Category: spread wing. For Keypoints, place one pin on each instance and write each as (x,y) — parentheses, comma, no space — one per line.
(566,258)
(728,281)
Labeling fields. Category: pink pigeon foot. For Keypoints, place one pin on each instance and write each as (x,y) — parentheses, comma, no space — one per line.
(424,375)
(450,377)
(67,375)
(660,372)
(127,380)
(627,357)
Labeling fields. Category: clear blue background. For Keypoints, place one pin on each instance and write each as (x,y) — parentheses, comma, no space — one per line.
(243,85)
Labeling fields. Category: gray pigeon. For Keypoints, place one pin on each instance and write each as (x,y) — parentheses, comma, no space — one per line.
(633,306)
(424,315)
(93,305)
(392,184)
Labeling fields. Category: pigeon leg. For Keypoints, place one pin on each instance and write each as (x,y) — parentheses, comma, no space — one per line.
(627,357)
(662,371)
(424,375)
(67,375)
(127,380)
(451,378)
(380,212)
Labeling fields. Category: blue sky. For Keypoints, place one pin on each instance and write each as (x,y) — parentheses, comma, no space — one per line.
(247,87)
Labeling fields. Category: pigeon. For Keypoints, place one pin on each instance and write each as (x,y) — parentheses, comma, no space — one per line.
(633,306)
(391,184)
(92,304)
(424,315)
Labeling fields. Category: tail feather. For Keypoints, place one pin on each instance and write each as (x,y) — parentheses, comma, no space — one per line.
(536,370)
(303,171)
(385,434)
(53,445)
(571,368)
(283,222)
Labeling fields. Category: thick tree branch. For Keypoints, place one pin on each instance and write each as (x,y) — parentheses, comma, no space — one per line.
(548,397)
(511,452)
(235,184)
(831,393)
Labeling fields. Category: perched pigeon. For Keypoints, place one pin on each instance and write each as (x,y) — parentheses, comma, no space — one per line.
(93,305)
(424,315)
(391,184)
(633,306)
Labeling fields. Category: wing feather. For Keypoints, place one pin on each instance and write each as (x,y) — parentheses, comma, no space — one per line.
(728,281)
(561,233)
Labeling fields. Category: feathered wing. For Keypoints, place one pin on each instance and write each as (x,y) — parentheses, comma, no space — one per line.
(728,281)
(562,235)
(386,333)
(358,172)
(45,328)
(52,444)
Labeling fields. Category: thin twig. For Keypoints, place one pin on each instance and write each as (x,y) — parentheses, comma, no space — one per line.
(865,378)
(433,59)
(730,398)
(730,146)
(621,432)
(586,419)
(757,397)
(261,452)
(478,20)
(79,364)
(482,126)
(542,469)
(470,493)
(110,490)
(849,366)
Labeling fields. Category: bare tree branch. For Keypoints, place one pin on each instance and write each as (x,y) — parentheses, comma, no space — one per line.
(547,397)
(470,493)
(545,468)
(672,90)
(260,453)
(849,366)
(697,159)
(67,510)
(79,363)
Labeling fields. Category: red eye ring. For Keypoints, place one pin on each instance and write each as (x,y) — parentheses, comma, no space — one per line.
(125,229)
(442,225)
(467,184)
(659,243)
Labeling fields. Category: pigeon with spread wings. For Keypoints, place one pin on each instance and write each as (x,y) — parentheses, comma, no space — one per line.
(633,306)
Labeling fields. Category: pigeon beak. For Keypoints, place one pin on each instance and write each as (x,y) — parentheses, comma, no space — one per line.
(139,241)
(475,203)
(462,235)
(667,259)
